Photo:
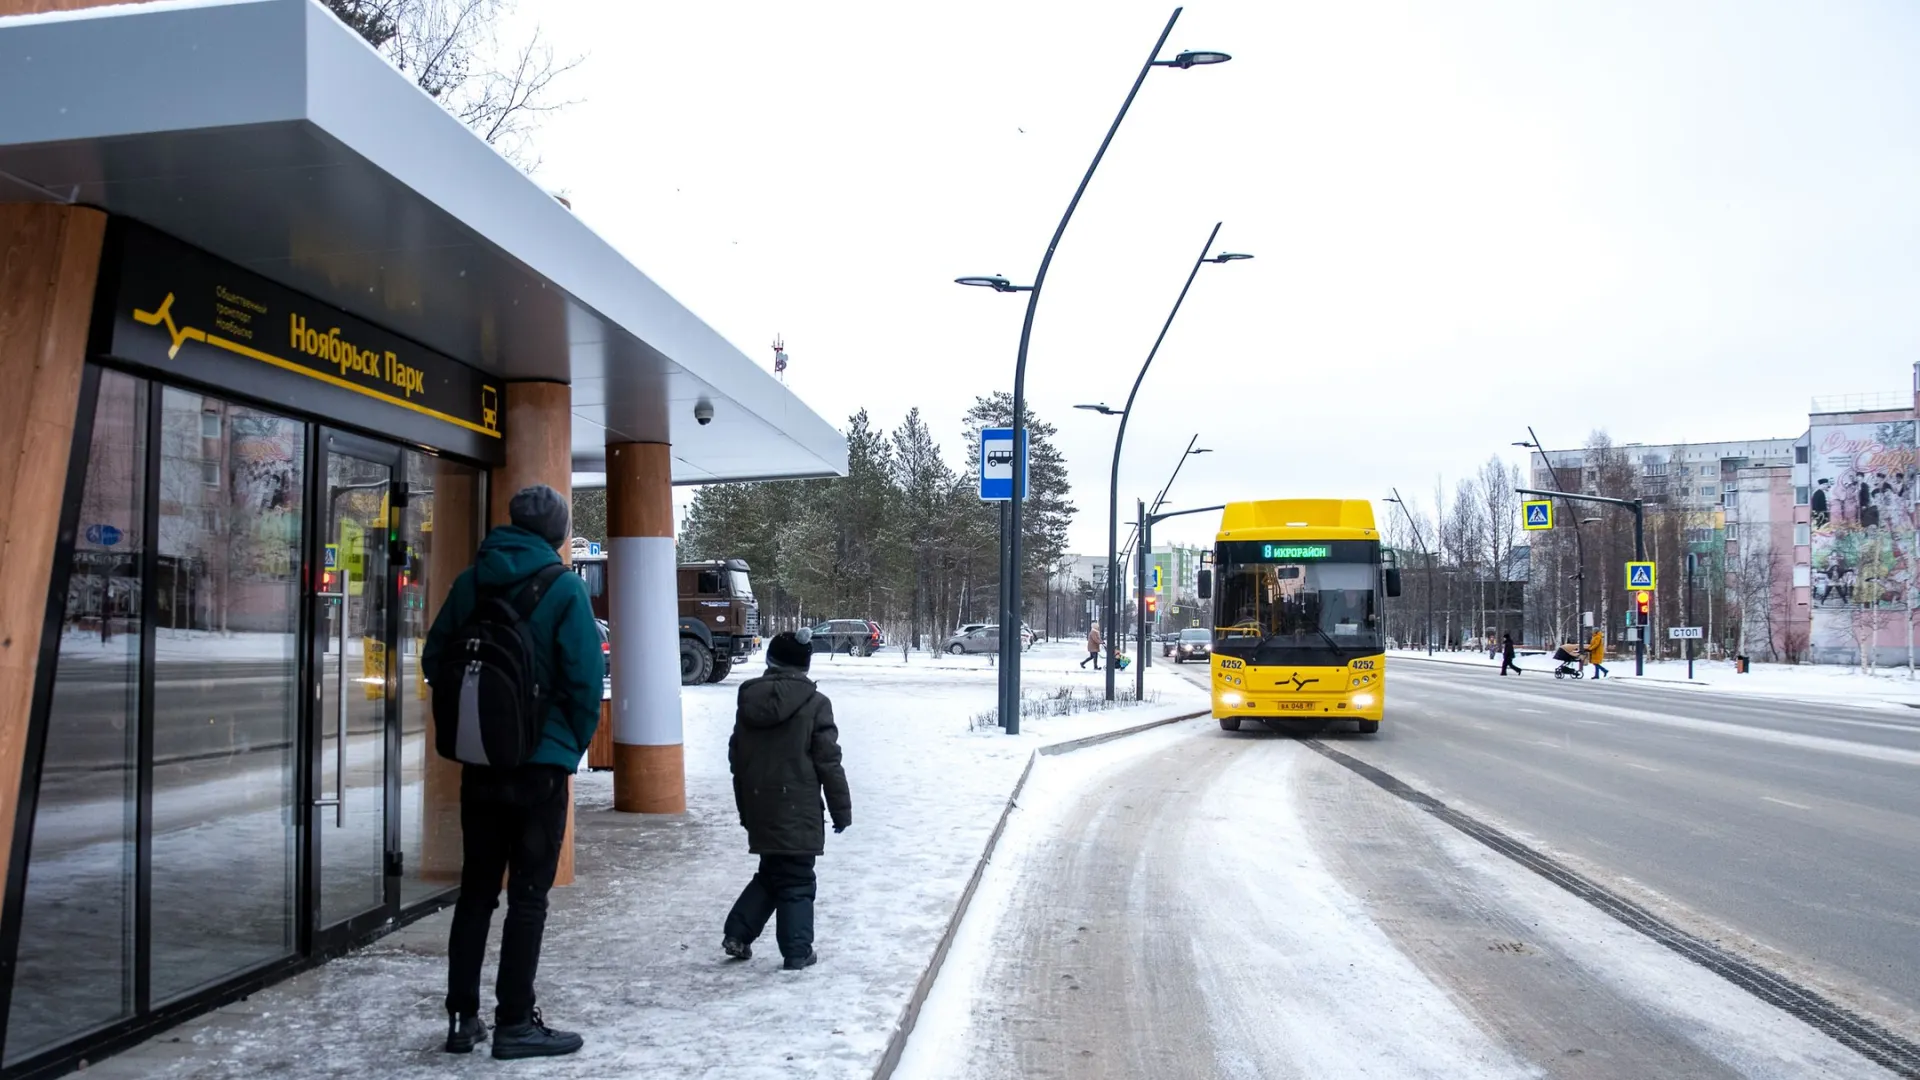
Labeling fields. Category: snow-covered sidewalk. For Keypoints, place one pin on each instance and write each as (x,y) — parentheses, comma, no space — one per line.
(1800,682)
(632,957)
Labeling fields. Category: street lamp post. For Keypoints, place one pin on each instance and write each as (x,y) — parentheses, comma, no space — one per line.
(1147,520)
(1396,500)
(1110,610)
(1010,597)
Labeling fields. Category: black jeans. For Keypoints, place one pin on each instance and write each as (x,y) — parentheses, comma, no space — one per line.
(784,886)
(1093,656)
(510,820)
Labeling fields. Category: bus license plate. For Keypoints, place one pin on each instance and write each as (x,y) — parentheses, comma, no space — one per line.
(1293,706)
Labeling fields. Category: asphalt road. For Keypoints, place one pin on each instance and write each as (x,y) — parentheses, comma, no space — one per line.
(1235,904)
(1788,830)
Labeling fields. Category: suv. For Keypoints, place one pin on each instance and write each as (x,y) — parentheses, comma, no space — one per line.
(1194,643)
(858,637)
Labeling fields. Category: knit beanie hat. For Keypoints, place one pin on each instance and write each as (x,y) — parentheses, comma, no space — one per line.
(793,649)
(541,511)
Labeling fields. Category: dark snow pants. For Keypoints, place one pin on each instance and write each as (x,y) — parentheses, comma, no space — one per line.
(509,821)
(783,887)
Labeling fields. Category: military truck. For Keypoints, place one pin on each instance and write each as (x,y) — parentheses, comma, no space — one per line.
(719,619)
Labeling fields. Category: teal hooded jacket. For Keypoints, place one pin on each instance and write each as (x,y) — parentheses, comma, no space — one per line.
(571,666)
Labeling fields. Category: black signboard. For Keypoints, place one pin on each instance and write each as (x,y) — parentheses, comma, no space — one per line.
(178,308)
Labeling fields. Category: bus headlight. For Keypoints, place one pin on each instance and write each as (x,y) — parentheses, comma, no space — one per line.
(1362,701)
(1229,697)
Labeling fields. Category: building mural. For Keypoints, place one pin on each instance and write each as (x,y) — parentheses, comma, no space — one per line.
(1861,511)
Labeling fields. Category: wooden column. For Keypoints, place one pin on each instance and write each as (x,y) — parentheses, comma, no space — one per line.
(455,538)
(539,436)
(49,263)
(643,600)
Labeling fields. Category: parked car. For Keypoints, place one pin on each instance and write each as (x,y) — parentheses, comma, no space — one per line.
(879,639)
(858,637)
(1026,635)
(979,639)
(1194,643)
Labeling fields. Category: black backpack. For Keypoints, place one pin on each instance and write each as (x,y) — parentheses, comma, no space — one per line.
(488,704)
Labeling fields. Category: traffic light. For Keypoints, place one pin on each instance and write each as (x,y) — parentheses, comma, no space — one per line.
(1153,603)
(1643,605)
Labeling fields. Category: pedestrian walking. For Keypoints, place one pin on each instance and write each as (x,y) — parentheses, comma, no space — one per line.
(517,597)
(1093,648)
(785,757)
(1506,655)
(1597,652)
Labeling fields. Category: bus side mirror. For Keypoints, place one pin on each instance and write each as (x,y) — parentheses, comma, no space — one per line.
(1393,581)
(1204,583)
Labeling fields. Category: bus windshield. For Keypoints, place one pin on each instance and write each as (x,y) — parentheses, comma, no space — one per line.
(1311,604)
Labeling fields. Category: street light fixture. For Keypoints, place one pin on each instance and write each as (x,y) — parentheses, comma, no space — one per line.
(1111,611)
(1010,555)
(994,282)
(1103,409)
(1194,58)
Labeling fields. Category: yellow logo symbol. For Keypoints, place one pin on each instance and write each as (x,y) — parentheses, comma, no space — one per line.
(164,314)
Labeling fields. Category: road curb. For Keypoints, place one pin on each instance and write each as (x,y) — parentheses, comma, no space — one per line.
(903,1028)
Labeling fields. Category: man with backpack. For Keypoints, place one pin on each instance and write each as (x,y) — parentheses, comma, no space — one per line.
(516,668)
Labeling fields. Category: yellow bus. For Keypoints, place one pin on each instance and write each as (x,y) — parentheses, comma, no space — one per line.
(1297,589)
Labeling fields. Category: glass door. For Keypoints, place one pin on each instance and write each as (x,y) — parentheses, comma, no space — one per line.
(354,854)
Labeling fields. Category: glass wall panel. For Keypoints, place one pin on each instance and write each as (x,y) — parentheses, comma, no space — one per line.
(225,694)
(76,958)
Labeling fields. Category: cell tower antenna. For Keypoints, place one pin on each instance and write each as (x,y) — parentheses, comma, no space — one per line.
(780,357)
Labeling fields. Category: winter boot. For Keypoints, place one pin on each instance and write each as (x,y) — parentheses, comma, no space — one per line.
(464,1033)
(533,1039)
(799,963)
(736,948)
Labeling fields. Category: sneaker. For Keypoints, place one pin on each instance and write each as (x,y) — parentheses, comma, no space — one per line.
(797,963)
(736,948)
(533,1039)
(464,1033)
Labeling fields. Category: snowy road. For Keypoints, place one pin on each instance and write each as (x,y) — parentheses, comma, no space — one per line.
(1191,903)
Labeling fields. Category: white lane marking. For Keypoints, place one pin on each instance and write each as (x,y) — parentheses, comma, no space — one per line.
(1637,765)
(1531,712)
(1783,802)
(1595,723)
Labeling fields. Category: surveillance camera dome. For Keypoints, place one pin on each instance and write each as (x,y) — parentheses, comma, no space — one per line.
(703,412)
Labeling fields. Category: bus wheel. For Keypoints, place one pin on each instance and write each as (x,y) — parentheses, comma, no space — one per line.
(1229,723)
(1368,727)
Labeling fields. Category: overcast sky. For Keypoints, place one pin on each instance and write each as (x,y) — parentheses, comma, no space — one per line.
(1672,221)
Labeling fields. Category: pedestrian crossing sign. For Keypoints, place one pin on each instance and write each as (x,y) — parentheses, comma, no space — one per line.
(1640,575)
(1536,514)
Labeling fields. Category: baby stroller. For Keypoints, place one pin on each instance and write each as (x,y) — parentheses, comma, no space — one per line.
(1569,664)
(1120,661)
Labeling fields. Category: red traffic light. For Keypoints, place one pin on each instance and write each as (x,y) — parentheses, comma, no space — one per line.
(1643,602)
(1153,604)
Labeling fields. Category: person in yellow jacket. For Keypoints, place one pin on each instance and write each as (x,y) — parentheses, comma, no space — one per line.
(1597,652)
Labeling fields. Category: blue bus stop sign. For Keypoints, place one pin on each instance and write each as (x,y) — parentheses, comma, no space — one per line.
(996,465)
(104,535)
